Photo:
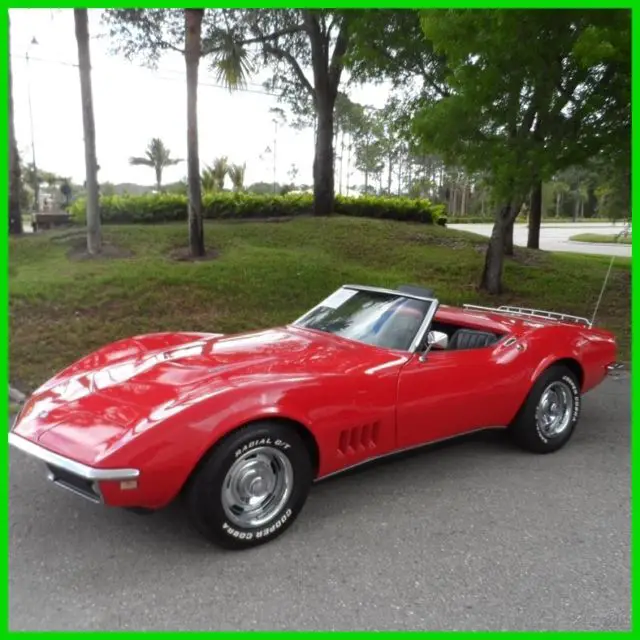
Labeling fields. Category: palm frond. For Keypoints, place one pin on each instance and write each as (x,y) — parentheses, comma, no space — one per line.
(141,161)
(208,180)
(237,174)
(232,63)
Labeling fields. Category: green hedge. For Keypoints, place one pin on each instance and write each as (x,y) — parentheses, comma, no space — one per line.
(171,207)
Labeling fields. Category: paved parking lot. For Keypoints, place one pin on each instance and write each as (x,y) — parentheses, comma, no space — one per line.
(472,535)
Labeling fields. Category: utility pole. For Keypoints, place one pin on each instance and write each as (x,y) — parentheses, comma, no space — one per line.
(275,141)
(36,181)
(15,213)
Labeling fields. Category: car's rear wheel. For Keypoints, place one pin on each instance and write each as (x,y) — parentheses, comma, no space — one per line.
(252,485)
(547,419)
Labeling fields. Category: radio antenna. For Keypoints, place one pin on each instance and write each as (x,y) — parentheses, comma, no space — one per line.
(623,234)
(604,284)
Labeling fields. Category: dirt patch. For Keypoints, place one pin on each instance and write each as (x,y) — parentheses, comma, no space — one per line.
(529,257)
(184,255)
(109,251)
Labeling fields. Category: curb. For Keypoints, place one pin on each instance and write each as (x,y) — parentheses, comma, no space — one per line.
(601,244)
(16,396)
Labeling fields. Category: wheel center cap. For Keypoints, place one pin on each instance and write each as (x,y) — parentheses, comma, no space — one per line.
(258,487)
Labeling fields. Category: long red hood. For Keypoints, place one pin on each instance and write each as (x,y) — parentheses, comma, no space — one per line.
(95,403)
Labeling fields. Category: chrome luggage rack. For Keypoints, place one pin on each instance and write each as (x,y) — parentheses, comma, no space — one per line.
(531,313)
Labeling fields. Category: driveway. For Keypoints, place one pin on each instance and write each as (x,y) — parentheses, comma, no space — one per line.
(555,237)
(472,535)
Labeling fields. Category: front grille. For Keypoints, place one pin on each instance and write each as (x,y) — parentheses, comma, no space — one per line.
(70,481)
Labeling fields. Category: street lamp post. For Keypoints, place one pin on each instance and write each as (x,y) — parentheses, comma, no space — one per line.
(275,141)
(36,182)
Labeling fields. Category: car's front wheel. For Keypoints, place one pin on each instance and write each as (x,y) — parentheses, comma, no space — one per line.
(549,415)
(252,486)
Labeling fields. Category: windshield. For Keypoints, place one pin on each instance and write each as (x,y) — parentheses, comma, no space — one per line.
(382,319)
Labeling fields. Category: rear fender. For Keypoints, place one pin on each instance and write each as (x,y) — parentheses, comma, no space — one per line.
(549,361)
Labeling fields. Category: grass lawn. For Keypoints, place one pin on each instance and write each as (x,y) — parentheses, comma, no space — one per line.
(266,273)
(601,238)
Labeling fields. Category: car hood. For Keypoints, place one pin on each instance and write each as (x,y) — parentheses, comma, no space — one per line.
(101,398)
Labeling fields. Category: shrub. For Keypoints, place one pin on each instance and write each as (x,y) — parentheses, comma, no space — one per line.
(172,207)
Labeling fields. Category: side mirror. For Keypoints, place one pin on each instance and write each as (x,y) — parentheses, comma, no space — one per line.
(437,339)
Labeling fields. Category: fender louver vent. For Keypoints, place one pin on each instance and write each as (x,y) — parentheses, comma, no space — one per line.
(359,439)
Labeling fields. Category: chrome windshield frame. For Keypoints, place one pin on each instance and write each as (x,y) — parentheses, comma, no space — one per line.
(424,326)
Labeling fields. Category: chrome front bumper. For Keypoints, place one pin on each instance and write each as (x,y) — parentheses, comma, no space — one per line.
(74,476)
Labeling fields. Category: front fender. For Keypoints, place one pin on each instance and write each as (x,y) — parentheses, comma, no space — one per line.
(168,445)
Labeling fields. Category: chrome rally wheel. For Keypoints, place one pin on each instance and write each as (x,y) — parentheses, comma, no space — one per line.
(548,417)
(257,486)
(251,486)
(555,409)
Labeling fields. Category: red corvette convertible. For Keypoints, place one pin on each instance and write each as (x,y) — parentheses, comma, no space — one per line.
(241,425)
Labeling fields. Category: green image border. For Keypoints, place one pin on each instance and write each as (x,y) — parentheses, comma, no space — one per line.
(408,4)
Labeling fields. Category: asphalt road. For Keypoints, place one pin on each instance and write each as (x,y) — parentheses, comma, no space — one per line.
(555,237)
(473,535)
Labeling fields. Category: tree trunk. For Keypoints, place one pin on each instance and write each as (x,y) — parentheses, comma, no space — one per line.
(508,237)
(592,202)
(15,215)
(491,279)
(158,178)
(349,145)
(535,216)
(389,175)
(323,178)
(558,199)
(341,157)
(193,34)
(94,235)
(463,203)
(576,208)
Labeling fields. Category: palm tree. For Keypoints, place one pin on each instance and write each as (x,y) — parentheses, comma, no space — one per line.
(156,156)
(148,33)
(219,170)
(559,189)
(236,175)
(232,63)
(94,232)
(208,180)
(213,175)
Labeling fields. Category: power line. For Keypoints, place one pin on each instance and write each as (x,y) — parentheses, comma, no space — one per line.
(159,75)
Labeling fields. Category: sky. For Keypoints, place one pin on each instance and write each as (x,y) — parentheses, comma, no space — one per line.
(133,104)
